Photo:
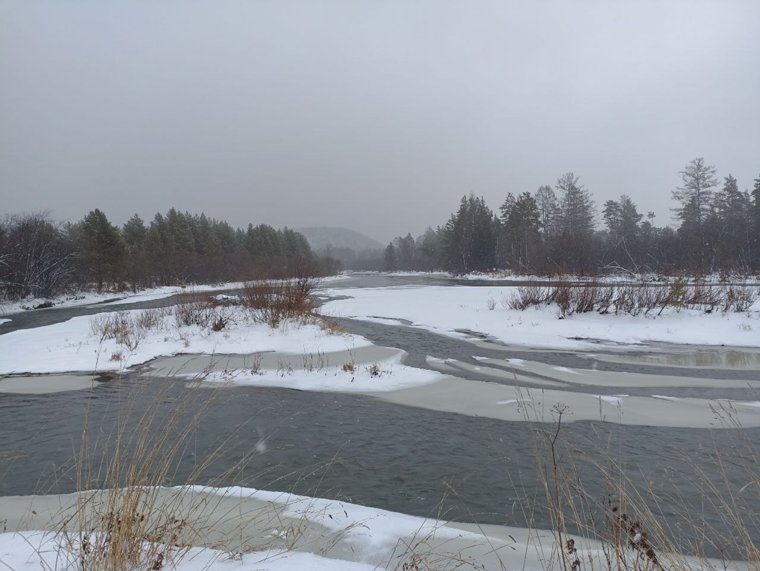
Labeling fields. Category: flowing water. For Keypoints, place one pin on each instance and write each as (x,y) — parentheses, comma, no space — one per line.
(386,455)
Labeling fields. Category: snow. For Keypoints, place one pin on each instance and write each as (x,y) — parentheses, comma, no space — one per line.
(73,346)
(91,297)
(614,400)
(4,321)
(348,537)
(445,310)
(128,297)
(388,375)
(36,549)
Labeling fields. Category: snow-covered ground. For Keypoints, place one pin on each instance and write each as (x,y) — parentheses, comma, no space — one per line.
(90,298)
(369,377)
(303,355)
(453,311)
(286,531)
(510,276)
(74,346)
(126,297)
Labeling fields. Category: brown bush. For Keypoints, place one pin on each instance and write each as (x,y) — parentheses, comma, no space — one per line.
(273,301)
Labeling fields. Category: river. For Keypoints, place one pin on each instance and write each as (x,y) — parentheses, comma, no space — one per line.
(388,455)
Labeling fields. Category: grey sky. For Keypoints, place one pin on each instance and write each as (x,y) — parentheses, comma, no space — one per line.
(375,115)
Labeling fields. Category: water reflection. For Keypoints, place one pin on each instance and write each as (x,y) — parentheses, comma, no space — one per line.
(719,358)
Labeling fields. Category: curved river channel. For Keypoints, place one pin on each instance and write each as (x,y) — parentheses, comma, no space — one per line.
(388,455)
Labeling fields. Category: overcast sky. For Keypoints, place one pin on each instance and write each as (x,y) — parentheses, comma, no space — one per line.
(375,115)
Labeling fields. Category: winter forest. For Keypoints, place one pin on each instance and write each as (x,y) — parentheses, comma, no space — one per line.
(556,230)
(39,257)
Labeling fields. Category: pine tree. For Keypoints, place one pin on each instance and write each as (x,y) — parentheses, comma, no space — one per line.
(755,223)
(575,224)
(389,258)
(732,235)
(695,196)
(134,233)
(102,247)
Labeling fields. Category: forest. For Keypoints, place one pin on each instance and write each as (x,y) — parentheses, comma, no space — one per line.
(41,258)
(553,231)
(556,230)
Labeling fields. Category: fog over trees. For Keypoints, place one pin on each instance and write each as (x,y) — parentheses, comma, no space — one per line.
(559,229)
(40,257)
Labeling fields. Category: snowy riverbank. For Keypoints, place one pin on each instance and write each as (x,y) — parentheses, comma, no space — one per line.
(463,310)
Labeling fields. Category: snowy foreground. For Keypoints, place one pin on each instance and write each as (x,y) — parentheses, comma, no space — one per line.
(256,529)
(459,311)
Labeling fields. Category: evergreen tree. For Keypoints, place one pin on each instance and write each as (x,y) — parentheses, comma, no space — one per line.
(470,238)
(134,234)
(521,227)
(389,258)
(695,197)
(546,202)
(622,219)
(102,247)
(732,235)
(405,252)
(755,223)
(574,225)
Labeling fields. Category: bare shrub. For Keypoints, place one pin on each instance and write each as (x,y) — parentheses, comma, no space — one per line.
(123,328)
(271,302)
(562,296)
(527,296)
(702,296)
(633,299)
(585,298)
(200,312)
(739,298)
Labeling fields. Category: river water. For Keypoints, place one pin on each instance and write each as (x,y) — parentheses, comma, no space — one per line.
(386,455)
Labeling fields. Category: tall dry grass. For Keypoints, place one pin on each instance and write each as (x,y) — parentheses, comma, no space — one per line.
(124,520)
(637,525)
(274,301)
(634,299)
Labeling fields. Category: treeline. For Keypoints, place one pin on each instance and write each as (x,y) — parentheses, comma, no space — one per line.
(39,257)
(555,231)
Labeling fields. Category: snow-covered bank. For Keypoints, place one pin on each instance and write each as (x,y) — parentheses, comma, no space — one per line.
(455,311)
(350,374)
(296,354)
(127,297)
(256,529)
(75,346)
(91,298)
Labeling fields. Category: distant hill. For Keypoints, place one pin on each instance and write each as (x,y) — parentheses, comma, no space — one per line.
(320,237)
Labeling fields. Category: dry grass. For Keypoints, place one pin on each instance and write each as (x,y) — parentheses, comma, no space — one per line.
(634,299)
(627,517)
(121,522)
(128,329)
(272,302)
